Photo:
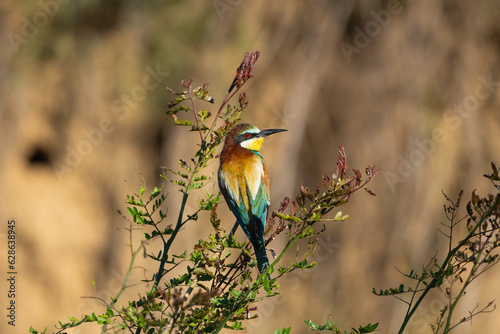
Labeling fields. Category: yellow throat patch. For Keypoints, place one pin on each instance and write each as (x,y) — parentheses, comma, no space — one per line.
(253,144)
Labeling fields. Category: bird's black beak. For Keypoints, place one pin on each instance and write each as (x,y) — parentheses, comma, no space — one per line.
(268,132)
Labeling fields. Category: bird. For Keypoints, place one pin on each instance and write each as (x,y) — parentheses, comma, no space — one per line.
(243,179)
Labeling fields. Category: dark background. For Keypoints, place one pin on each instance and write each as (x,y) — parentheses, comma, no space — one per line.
(411,87)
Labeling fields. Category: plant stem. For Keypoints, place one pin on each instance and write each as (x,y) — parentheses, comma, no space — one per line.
(462,291)
(124,285)
(227,98)
(178,225)
(445,263)
(166,246)
(191,98)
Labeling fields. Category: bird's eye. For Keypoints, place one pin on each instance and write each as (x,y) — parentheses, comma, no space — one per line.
(246,135)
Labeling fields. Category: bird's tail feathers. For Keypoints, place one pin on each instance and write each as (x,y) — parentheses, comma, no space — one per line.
(262,260)
(256,234)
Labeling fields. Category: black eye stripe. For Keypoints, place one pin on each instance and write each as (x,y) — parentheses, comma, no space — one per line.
(243,136)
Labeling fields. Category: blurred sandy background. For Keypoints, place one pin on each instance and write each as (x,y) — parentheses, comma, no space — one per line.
(411,87)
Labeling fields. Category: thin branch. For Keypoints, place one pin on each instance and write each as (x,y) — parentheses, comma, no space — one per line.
(191,98)
(451,254)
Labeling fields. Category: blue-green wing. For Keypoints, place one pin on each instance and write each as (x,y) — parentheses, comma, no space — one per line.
(259,205)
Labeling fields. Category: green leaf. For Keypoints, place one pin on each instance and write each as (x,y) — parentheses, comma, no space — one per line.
(197,185)
(265,282)
(203,114)
(200,178)
(182,122)
(283,330)
(287,217)
(311,324)
(301,265)
(366,329)
(155,192)
(234,293)
(130,211)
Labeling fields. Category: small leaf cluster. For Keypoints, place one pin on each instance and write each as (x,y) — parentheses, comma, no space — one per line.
(312,207)
(329,326)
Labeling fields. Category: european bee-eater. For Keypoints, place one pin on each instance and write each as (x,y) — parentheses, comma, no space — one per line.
(244,183)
